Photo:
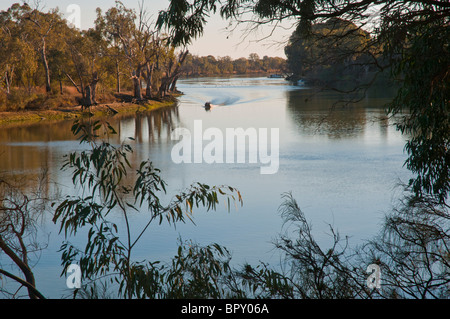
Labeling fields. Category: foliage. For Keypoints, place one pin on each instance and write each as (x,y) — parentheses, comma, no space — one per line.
(423,103)
(197,272)
(103,175)
(334,51)
(210,65)
(20,212)
(413,249)
(40,51)
(308,271)
(410,39)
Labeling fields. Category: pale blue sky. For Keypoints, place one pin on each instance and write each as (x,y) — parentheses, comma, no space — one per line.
(215,41)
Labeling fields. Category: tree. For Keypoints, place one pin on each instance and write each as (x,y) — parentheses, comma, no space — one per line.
(254,61)
(142,48)
(43,26)
(225,65)
(15,45)
(26,29)
(209,65)
(311,271)
(112,50)
(134,38)
(422,68)
(85,50)
(333,50)
(411,252)
(41,49)
(22,65)
(19,216)
(412,249)
(240,65)
(103,173)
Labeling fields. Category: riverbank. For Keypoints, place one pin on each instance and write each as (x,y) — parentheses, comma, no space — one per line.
(118,108)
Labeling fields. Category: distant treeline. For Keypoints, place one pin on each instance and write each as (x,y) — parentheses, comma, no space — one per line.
(209,65)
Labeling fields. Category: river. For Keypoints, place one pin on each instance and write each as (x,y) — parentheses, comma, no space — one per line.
(342,164)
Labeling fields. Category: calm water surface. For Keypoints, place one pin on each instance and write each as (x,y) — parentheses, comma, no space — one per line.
(342,164)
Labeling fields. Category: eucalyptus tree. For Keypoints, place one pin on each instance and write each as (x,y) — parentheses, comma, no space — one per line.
(27,29)
(153,55)
(113,50)
(333,51)
(20,214)
(241,65)
(19,62)
(254,61)
(18,56)
(225,65)
(88,54)
(172,71)
(43,31)
(134,34)
(108,184)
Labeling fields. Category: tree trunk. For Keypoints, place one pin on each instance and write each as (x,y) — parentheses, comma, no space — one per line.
(23,265)
(171,78)
(163,87)
(137,83)
(87,96)
(7,82)
(148,90)
(60,83)
(93,87)
(48,88)
(173,86)
(74,84)
(118,76)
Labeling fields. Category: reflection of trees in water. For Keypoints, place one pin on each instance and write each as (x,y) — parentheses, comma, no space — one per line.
(25,149)
(23,203)
(27,172)
(160,121)
(332,114)
(151,127)
(21,148)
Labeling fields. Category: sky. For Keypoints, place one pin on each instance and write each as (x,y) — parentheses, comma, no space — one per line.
(216,40)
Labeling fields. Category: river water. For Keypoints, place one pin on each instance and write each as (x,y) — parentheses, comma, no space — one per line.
(341,162)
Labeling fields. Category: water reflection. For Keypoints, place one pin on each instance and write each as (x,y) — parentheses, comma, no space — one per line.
(152,127)
(26,149)
(338,166)
(322,114)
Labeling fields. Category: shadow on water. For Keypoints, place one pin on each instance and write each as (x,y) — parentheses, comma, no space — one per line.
(26,149)
(320,113)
